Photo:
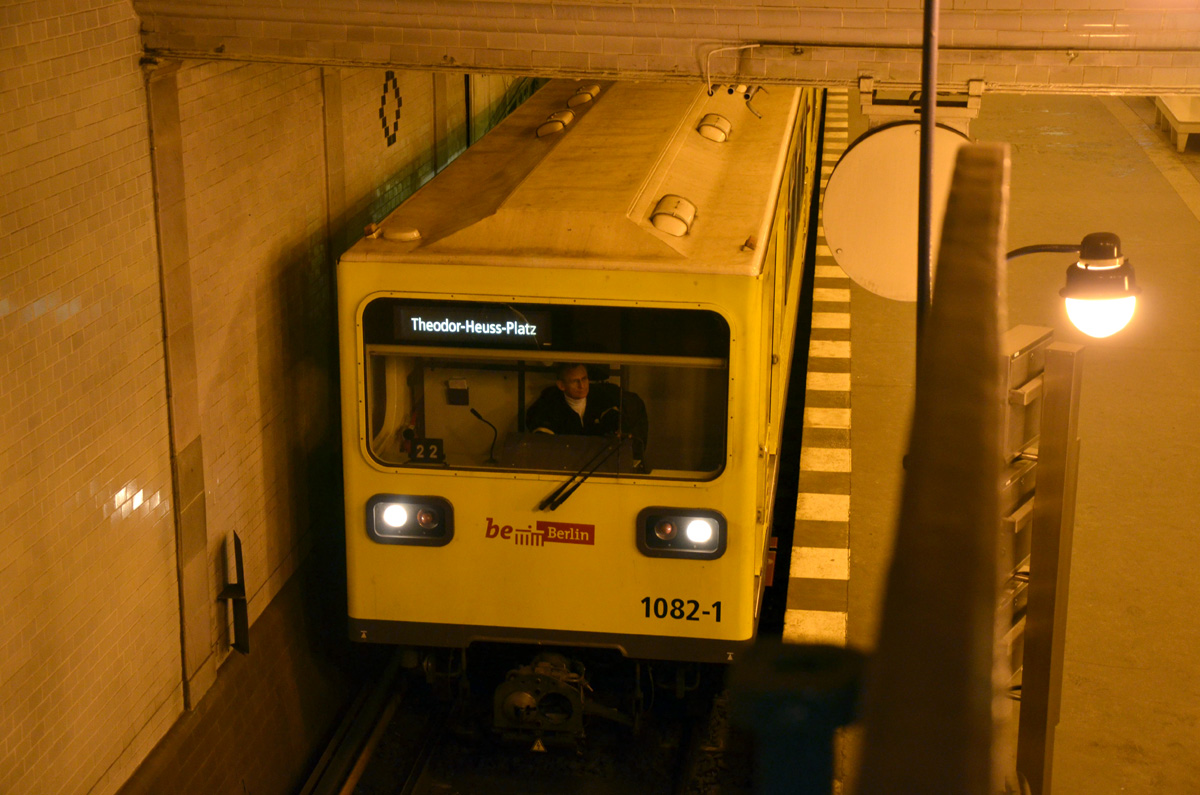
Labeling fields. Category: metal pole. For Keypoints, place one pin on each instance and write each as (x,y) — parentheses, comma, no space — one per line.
(469,101)
(929,62)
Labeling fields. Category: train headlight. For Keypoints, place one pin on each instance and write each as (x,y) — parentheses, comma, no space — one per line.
(703,533)
(394,515)
(700,531)
(406,519)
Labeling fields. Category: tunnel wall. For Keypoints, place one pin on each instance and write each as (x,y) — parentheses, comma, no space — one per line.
(89,629)
(178,347)
(253,167)
(283,166)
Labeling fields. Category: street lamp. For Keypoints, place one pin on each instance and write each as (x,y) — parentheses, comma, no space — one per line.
(1100,293)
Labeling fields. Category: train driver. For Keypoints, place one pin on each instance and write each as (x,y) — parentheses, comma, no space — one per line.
(573,405)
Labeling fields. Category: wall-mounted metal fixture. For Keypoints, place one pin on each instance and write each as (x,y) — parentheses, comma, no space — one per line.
(748,95)
(235,594)
(708,62)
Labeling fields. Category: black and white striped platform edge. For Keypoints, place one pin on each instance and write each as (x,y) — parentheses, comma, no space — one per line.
(818,581)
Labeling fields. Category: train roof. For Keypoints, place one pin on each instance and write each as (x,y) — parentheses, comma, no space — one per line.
(583,197)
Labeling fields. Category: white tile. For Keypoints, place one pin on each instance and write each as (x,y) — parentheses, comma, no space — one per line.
(828,382)
(820,563)
(814,626)
(825,459)
(822,507)
(836,294)
(831,320)
(826,418)
(829,349)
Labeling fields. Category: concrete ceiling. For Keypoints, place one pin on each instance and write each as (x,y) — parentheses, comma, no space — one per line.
(1072,46)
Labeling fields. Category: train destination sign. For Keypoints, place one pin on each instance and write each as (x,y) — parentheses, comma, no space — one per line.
(447,326)
(488,325)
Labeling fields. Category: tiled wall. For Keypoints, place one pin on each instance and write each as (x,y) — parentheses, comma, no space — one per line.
(90,660)
(89,628)
(1148,46)
(253,166)
(404,150)
(407,161)
(489,94)
(268,716)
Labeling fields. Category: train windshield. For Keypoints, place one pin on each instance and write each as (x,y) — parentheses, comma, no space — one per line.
(626,391)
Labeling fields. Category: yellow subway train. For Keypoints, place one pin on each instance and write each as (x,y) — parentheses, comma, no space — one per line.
(563,370)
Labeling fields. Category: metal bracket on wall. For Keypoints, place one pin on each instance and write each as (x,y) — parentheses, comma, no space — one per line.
(235,594)
(955,107)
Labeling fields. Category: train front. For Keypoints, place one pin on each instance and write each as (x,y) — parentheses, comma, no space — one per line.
(557,424)
(546,473)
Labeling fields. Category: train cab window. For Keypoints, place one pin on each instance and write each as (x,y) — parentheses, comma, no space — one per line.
(499,386)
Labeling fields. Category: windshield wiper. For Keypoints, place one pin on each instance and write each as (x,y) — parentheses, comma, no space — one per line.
(560,495)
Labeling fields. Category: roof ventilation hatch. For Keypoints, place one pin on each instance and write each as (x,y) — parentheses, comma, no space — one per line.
(715,127)
(583,95)
(555,123)
(673,215)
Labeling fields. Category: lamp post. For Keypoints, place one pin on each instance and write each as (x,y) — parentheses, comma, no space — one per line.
(1100,293)
(929,69)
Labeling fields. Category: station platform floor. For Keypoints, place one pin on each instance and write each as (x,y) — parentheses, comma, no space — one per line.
(1130,711)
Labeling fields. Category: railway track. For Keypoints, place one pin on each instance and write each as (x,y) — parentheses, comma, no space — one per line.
(399,739)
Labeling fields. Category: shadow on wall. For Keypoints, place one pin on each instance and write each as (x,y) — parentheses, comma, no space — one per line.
(394,190)
(386,197)
(301,460)
(515,92)
(296,333)
(269,714)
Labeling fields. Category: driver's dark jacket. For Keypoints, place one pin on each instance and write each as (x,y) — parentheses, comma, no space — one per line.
(601,415)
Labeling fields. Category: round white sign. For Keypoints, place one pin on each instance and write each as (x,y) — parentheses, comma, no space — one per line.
(870,206)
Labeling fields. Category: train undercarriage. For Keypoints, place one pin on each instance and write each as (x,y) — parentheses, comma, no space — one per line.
(544,696)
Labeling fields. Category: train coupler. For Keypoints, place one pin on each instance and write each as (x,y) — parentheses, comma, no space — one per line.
(544,699)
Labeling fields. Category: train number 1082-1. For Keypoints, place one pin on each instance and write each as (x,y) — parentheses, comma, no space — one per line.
(679,609)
